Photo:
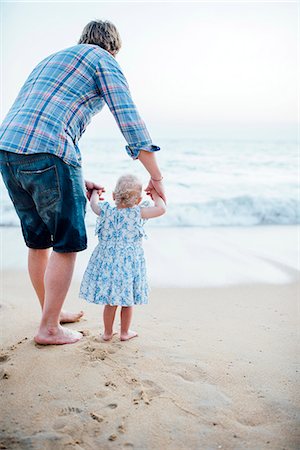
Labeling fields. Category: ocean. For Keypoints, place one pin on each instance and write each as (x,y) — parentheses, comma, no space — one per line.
(208,183)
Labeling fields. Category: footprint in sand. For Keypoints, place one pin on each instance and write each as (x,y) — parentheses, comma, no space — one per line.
(101,394)
(112,405)
(49,439)
(97,350)
(112,437)
(187,376)
(141,396)
(259,416)
(4,357)
(111,385)
(95,353)
(121,428)
(148,391)
(4,374)
(151,388)
(22,340)
(97,417)
(70,410)
(192,373)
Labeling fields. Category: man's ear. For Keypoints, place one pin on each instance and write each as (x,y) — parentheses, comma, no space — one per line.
(139,200)
(113,196)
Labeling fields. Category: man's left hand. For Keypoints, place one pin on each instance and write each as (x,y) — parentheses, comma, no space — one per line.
(90,186)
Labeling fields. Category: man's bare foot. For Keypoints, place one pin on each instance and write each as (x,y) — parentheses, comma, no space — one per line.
(129,335)
(107,336)
(67,317)
(57,336)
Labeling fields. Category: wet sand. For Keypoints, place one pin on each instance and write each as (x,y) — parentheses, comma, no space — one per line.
(211,368)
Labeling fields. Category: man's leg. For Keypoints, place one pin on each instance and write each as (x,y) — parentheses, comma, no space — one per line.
(37,264)
(58,276)
(52,214)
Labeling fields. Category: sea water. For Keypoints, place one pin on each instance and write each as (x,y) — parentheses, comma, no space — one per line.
(208,183)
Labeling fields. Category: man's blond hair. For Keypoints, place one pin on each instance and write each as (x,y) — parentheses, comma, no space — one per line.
(102,33)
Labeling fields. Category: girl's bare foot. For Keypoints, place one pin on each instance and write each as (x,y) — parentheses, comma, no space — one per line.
(129,335)
(67,317)
(107,336)
(57,336)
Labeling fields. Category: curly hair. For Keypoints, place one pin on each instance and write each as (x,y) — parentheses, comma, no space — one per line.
(128,190)
(102,33)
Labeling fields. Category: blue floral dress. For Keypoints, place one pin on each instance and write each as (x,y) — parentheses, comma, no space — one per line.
(116,272)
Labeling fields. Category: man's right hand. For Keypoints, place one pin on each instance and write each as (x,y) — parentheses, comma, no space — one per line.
(158,187)
(91,186)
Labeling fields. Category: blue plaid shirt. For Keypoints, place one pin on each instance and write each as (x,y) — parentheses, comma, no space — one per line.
(60,97)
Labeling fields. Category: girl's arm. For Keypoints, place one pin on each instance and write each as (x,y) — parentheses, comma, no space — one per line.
(94,200)
(157,210)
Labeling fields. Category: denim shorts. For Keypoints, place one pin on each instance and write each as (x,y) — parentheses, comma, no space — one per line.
(49,198)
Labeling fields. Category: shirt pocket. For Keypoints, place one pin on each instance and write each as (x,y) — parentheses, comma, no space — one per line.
(42,184)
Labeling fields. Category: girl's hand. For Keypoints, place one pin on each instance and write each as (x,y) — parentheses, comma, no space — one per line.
(153,194)
(156,186)
(100,192)
(96,195)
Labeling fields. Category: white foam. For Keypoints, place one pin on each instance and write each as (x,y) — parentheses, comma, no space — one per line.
(193,257)
(216,257)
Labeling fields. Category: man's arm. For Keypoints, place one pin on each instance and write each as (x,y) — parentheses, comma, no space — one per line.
(149,162)
(114,89)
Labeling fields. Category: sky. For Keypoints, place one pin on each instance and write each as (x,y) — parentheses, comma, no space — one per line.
(224,70)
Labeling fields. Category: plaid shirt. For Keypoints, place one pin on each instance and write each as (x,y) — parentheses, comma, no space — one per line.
(60,97)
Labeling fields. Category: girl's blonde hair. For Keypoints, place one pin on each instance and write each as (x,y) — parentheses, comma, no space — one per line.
(128,190)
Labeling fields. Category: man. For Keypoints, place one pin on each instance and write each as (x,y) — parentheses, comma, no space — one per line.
(41,163)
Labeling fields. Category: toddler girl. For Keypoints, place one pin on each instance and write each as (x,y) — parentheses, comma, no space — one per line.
(116,273)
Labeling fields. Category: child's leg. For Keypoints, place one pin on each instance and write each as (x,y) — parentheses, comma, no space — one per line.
(126,316)
(108,319)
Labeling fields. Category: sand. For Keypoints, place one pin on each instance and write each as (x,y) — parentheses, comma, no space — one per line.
(214,367)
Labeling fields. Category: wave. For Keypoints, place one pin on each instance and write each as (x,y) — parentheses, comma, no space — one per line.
(235,211)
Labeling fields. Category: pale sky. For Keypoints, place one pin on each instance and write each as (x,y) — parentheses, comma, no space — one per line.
(201,70)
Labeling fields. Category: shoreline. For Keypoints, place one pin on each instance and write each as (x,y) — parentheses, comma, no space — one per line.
(195,257)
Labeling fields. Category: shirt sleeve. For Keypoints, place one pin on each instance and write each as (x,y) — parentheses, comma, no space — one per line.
(114,89)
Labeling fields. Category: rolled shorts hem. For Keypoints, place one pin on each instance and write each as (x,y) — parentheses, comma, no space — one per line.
(34,247)
(40,247)
(76,250)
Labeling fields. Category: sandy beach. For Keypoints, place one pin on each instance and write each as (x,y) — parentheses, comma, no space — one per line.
(214,366)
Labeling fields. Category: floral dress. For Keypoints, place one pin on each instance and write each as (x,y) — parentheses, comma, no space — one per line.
(116,272)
